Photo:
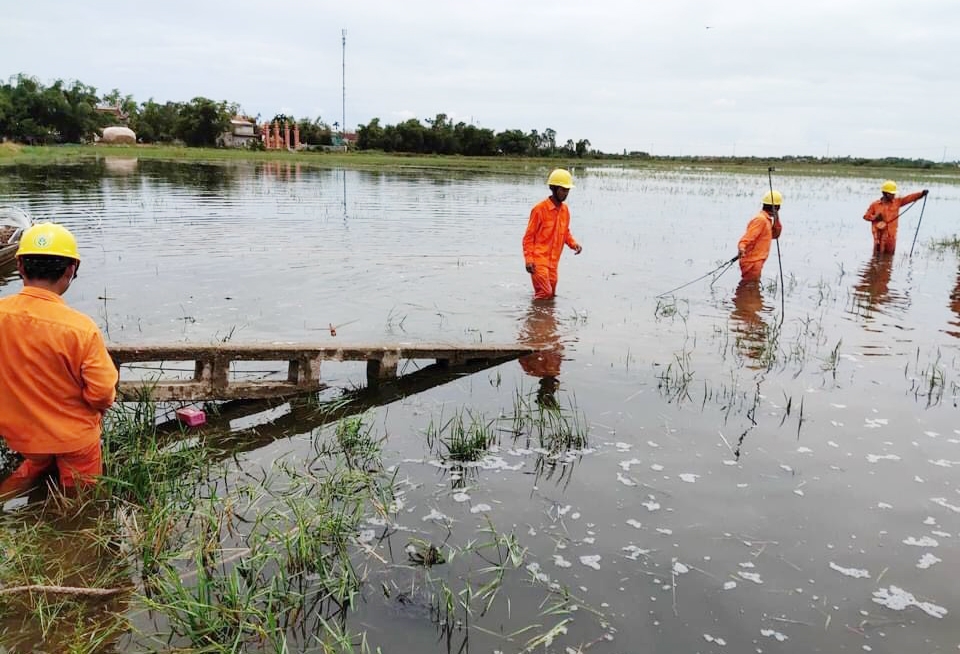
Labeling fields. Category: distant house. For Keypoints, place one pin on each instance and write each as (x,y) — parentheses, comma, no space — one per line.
(113,110)
(242,133)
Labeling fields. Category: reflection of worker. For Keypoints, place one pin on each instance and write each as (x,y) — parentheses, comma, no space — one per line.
(547,232)
(955,307)
(749,326)
(56,376)
(754,245)
(873,289)
(883,215)
(539,329)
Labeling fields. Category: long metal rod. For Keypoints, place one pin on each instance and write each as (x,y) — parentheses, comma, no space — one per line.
(918,225)
(783,300)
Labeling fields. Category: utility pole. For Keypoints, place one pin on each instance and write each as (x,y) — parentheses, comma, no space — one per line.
(343,77)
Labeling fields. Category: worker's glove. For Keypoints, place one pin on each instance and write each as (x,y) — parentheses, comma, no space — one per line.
(577,250)
(925,191)
(529,268)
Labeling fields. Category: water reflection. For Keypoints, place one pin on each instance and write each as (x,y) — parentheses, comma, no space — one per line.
(872,293)
(749,325)
(955,307)
(539,328)
(198,176)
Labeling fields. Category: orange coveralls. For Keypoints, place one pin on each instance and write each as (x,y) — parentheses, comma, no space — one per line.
(755,244)
(56,381)
(547,232)
(885,238)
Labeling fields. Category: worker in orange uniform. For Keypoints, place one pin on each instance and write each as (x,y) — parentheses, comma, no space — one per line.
(884,214)
(754,246)
(56,376)
(547,232)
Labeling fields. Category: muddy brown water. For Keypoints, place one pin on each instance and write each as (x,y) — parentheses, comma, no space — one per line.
(733,497)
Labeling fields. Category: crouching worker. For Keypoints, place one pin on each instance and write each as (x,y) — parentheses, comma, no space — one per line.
(754,246)
(56,376)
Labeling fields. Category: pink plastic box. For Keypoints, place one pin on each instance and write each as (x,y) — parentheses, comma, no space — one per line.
(191,417)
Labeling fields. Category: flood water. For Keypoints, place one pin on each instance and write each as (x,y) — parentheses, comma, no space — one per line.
(756,479)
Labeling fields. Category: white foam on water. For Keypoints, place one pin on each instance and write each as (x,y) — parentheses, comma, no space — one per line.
(436,515)
(634,551)
(561,562)
(874,458)
(770,633)
(461,497)
(626,481)
(928,560)
(656,467)
(856,573)
(924,541)
(804,450)
(875,423)
(629,462)
(591,561)
(651,505)
(664,531)
(751,576)
(634,523)
(534,569)
(730,585)
(679,568)
(898,599)
(688,477)
(481,508)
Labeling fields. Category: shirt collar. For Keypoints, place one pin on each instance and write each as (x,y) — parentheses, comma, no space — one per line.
(41,294)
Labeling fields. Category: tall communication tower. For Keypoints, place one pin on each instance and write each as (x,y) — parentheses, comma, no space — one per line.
(343,77)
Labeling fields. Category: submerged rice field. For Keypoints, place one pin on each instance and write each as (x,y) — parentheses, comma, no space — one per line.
(717,469)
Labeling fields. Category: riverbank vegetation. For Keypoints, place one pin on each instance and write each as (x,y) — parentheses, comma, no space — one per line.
(71,115)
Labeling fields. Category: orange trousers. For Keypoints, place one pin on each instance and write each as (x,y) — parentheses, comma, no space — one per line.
(544,279)
(75,469)
(750,270)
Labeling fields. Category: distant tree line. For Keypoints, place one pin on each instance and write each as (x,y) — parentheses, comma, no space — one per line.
(441,136)
(63,112)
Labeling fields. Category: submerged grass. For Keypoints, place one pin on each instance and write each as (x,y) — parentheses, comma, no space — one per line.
(181,548)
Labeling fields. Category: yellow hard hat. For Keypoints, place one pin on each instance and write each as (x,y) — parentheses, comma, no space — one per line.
(773,197)
(560,177)
(889,186)
(48,239)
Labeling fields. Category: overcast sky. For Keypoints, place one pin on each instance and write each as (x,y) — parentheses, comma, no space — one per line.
(747,77)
